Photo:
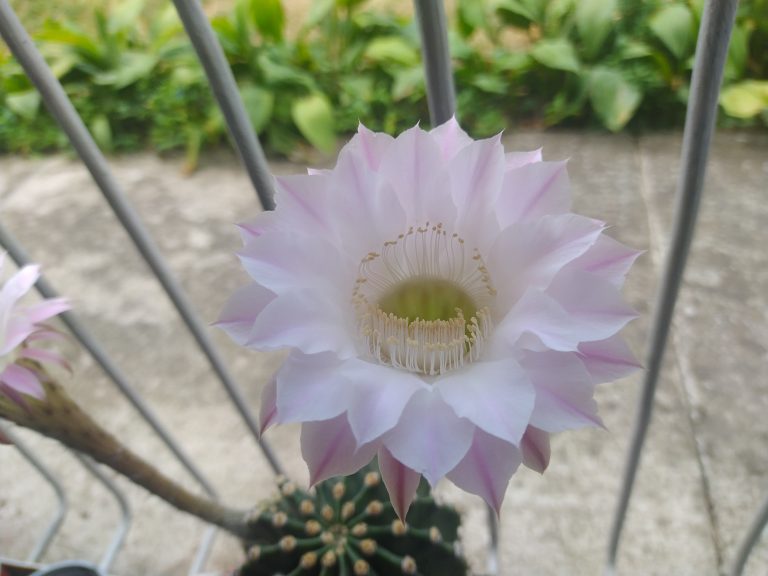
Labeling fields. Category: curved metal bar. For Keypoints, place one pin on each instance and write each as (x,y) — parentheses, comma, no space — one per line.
(125,512)
(751,539)
(711,52)
(45,540)
(225,90)
(437,60)
(89,342)
(201,556)
(65,114)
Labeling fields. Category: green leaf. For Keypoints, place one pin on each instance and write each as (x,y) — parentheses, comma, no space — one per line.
(519,13)
(125,15)
(269,18)
(313,116)
(594,22)
(470,16)
(746,99)
(738,53)
(319,11)
(392,49)
(674,26)
(276,72)
(25,104)
(558,54)
(259,104)
(407,82)
(101,131)
(132,67)
(613,98)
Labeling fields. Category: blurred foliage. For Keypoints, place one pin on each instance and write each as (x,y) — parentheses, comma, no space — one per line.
(619,64)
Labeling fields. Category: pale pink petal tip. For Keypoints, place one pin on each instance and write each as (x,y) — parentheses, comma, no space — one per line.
(268,409)
(535,449)
(329,448)
(22,380)
(401,482)
(4,439)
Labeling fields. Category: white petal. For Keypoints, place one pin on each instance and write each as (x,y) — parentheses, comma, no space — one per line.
(415,169)
(608,360)
(476,174)
(495,396)
(371,145)
(305,203)
(296,320)
(241,310)
(486,468)
(285,262)
(564,392)
(430,438)
(450,137)
(517,159)
(377,396)
(608,259)
(592,302)
(401,482)
(530,254)
(329,449)
(309,388)
(533,191)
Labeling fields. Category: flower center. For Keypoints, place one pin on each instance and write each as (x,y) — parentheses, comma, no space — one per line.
(423,303)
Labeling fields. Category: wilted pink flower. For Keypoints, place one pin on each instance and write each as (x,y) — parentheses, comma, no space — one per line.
(20,329)
(443,309)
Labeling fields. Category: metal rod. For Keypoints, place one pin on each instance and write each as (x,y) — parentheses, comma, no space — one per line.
(225,90)
(750,539)
(89,342)
(121,532)
(437,60)
(65,114)
(45,540)
(711,52)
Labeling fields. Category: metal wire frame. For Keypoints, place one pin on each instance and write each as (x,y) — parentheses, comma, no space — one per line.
(44,541)
(61,497)
(63,111)
(711,51)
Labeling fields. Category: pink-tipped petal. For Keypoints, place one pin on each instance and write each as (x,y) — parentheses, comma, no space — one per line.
(451,138)
(241,310)
(22,380)
(608,259)
(535,449)
(516,160)
(45,356)
(495,396)
(17,329)
(430,438)
(302,202)
(309,387)
(3,438)
(46,309)
(401,482)
(372,146)
(533,191)
(268,408)
(564,392)
(329,448)
(486,468)
(608,360)
(414,168)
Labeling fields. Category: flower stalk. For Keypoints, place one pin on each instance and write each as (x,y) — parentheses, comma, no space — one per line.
(58,416)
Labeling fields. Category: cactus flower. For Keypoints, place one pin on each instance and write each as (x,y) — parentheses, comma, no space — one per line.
(443,310)
(21,329)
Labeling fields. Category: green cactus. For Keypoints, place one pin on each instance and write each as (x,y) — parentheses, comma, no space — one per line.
(347,527)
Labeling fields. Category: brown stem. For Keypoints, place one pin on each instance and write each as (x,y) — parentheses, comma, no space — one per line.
(59,417)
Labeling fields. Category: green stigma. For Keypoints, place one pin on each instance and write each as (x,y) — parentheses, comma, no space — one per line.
(428,299)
